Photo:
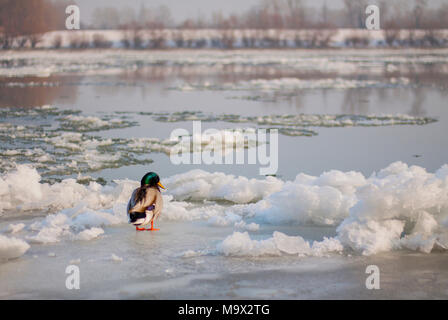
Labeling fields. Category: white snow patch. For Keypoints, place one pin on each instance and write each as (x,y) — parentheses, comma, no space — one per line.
(290,84)
(75,261)
(370,214)
(247,226)
(116,258)
(89,234)
(202,185)
(11,248)
(15,228)
(240,244)
(192,253)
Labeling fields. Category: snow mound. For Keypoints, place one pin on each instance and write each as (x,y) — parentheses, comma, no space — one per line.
(323,200)
(15,228)
(240,244)
(399,208)
(22,190)
(201,185)
(11,248)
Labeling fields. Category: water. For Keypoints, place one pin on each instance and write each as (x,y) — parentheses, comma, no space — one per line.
(108,113)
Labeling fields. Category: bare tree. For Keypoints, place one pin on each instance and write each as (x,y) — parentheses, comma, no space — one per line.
(297,15)
(126,40)
(391,33)
(136,36)
(324,14)
(442,16)
(228,39)
(418,11)
(127,16)
(100,41)
(25,21)
(350,8)
(106,18)
(57,42)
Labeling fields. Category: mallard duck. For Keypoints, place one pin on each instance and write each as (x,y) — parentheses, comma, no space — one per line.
(146,202)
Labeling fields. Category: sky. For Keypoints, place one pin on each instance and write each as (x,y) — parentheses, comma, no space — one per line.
(183,9)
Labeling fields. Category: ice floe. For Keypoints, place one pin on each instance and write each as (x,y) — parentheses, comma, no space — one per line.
(11,248)
(64,142)
(44,63)
(292,84)
(302,120)
(240,244)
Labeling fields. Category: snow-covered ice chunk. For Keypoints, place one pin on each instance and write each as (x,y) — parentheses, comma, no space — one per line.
(240,244)
(89,234)
(11,248)
(15,228)
(202,185)
(116,258)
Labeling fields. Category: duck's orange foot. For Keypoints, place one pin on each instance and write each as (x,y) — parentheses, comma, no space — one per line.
(139,229)
(152,227)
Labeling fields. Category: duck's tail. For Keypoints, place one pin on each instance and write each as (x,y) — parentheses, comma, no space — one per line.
(142,218)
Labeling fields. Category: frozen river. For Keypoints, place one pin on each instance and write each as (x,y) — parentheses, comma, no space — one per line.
(361,174)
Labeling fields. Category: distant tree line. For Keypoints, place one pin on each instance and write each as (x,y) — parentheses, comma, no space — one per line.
(283,14)
(22,23)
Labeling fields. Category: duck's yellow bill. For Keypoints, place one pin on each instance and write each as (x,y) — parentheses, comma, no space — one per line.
(161,185)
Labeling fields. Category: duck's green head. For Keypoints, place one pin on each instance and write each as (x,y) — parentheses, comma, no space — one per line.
(151,179)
